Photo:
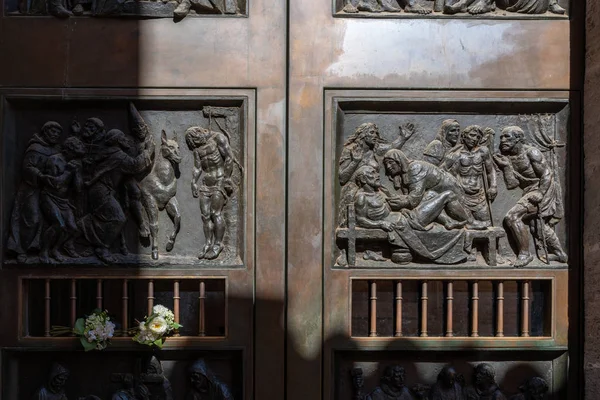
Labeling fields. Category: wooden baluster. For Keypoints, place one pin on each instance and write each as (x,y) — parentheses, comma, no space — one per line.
(150,296)
(424,299)
(398,331)
(73,303)
(47,299)
(449,309)
(202,297)
(125,307)
(99,294)
(176,298)
(525,311)
(500,310)
(373,309)
(475,310)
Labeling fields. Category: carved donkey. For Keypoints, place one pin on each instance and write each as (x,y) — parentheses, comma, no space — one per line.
(158,191)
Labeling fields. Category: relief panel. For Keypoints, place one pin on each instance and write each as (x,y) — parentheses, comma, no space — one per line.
(465,183)
(129,182)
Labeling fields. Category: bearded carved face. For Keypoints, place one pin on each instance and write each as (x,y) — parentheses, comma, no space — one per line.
(52,134)
(58,382)
(452,133)
(199,381)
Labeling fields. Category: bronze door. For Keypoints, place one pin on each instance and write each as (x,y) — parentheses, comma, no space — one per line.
(220,71)
(383,288)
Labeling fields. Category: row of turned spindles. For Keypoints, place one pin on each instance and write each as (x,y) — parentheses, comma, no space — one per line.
(125,304)
(525,304)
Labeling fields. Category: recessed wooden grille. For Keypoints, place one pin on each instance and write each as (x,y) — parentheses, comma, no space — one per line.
(451,308)
(198,304)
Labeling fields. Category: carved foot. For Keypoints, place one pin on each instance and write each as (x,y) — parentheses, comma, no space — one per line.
(155,254)
(560,256)
(372,256)
(350,8)
(70,250)
(205,250)
(342,260)
(45,258)
(472,256)
(104,255)
(144,231)
(452,224)
(477,225)
(59,11)
(58,257)
(183,9)
(78,10)
(556,9)
(22,258)
(369,6)
(124,250)
(170,243)
(387,6)
(456,8)
(214,252)
(417,9)
(481,7)
(522,260)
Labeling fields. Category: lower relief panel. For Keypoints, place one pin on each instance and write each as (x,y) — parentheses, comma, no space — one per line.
(171,375)
(468,374)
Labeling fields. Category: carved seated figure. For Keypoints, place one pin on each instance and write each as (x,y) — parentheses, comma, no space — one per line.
(447,386)
(392,386)
(54,388)
(409,228)
(206,386)
(534,389)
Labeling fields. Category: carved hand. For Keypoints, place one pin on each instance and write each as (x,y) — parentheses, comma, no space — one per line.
(501,161)
(195,191)
(387,226)
(357,154)
(535,197)
(75,127)
(407,130)
(492,193)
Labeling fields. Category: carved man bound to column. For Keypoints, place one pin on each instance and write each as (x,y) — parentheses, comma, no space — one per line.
(213,162)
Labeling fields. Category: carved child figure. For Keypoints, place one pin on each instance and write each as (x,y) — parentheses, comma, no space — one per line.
(54,388)
(392,386)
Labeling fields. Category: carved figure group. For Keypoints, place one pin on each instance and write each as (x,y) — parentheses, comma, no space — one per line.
(473,7)
(449,386)
(76,197)
(149,384)
(442,203)
(147,8)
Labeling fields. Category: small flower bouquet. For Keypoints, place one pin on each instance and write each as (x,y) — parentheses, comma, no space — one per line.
(154,329)
(94,331)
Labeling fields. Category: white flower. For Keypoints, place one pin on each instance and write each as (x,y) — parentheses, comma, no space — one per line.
(158,325)
(164,312)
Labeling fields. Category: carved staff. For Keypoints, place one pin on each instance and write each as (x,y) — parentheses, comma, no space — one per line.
(486,185)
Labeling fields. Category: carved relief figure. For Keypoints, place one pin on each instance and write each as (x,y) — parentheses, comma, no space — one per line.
(158,191)
(364,147)
(62,176)
(484,384)
(392,386)
(470,6)
(155,380)
(205,385)
(447,386)
(531,6)
(26,219)
(534,389)
(411,224)
(184,7)
(377,6)
(473,7)
(358,383)
(131,391)
(108,164)
(446,139)
(54,388)
(213,162)
(524,166)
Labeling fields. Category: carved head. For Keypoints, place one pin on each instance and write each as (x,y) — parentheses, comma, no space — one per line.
(485,376)
(367,134)
(51,132)
(73,147)
(357,377)
(154,366)
(535,389)
(199,376)
(395,162)
(58,378)
(92,128)
(116,137)
(447,377)
(196,136)
(169,148)
(449,131)
(472,136)
(367,175)
(394,376)
(138,126)
(510,138)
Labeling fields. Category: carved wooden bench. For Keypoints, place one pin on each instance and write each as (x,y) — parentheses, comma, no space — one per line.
(353,234)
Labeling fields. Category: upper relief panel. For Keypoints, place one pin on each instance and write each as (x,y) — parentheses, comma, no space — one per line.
(459,8)
(176,9)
